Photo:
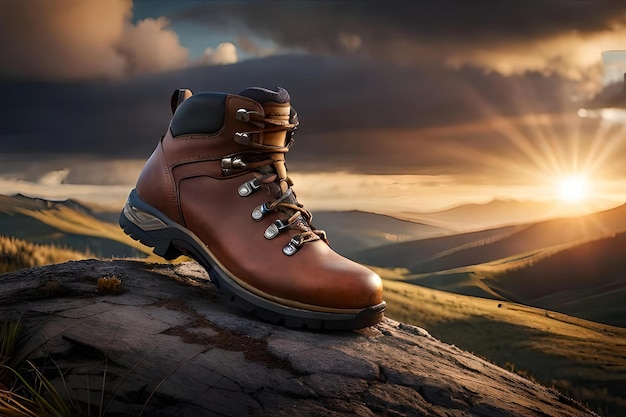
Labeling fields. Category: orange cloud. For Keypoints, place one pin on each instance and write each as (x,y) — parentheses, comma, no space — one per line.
(149,46)
(84,39)
(572,54)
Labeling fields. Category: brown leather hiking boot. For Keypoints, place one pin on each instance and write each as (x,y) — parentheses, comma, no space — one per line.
(216,189)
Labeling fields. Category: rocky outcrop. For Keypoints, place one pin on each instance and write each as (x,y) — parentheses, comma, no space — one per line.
(166,343)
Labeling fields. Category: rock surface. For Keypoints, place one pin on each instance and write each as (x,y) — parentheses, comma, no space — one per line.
(168,344)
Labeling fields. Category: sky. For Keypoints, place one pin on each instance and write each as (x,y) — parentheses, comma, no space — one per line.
(403,105)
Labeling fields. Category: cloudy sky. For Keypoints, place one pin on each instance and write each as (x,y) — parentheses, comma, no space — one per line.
(418,105)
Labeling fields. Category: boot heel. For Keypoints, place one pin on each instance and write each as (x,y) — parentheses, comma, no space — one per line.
(149,230)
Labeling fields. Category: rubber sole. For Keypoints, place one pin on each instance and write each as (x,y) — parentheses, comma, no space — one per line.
(170,240)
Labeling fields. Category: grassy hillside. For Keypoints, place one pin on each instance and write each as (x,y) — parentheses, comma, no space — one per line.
(585,280)
(584,359)
(17,254)
(67,224)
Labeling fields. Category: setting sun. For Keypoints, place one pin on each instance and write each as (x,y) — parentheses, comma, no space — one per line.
(573,189)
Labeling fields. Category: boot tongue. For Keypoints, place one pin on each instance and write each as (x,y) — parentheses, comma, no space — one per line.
(275,106)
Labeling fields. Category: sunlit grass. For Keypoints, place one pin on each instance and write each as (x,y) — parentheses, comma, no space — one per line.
(17,254)
(571,354)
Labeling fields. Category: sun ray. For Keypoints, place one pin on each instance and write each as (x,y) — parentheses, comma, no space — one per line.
(548,149)
(605,148)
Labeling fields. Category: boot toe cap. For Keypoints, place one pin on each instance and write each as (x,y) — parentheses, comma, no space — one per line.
(341,284)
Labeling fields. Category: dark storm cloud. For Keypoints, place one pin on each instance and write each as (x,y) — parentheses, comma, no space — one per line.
(87,39)
(314,24)
(356,115)
(505,36)
(382,83)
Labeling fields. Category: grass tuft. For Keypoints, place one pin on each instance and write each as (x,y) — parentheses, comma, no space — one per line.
(109,285)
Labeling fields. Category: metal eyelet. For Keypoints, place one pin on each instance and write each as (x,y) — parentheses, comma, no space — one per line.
(230,165)
(274,229)
(242,116)
(242,138)
(249,187)
(260,211)
(233,163)
(293,246)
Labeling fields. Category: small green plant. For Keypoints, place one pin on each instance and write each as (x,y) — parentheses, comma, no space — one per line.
(9,338)
(108,285)
(24,390)
(39,399)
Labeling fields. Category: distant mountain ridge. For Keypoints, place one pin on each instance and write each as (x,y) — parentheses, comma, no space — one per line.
(353,231)
(436,254)
(496,213)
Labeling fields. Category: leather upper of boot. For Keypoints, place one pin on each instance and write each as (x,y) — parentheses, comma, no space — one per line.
(195,175)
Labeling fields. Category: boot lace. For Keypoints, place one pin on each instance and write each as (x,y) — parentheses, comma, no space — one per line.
(270,169)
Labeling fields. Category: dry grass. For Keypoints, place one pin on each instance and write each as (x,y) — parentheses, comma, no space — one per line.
(109,285)
(17,254)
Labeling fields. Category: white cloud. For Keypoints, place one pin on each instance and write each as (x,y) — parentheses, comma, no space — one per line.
(225,53)
(54,177)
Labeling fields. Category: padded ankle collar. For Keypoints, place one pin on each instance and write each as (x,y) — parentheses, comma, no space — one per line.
(200,113)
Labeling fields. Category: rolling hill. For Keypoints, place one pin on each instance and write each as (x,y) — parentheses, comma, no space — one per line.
(67,224)
(586,280)
(408,254)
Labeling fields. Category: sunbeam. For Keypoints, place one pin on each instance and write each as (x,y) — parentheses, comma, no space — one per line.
(565,157)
